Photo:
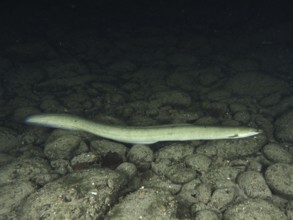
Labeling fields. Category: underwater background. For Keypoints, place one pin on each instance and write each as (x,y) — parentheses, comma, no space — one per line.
(141,63)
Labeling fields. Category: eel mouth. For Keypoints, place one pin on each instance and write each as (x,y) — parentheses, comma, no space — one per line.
(249,134)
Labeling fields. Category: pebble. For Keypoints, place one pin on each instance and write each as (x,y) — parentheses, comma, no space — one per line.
(12,195)
(223,197)
(84,194)
(141,155)
(203,192)
(5,159)
(51,105)
(84,160)
(175,151)
(180,175)
(8,140)
(62,147)
(144,204)
(129,169)
(61,166)
(254,185)
(279,178)
(242,116)
(106,148)
(284,127)
(158,182)
(218,95)
(23,169)
(210,75)
(194,192)
(234,148)
(173,98)
(161,166)
(276,153)
(270,100)
(257,209)
(222,177)
(198,162)
(207,214)
(254,82)
(177,81)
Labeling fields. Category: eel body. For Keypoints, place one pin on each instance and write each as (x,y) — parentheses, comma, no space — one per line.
(142,135)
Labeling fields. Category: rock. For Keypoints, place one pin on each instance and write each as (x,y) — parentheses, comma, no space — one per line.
(23,169)
(157,182)
(234,148)
(50,104)
(278,177)
(161,166)
(221,198)
(215,109)
(284,127)
(180,175)
(145,204)
(257,209)
(254,185)
(5,159)
(194,192)
(63,147)
(67,81)
(141,155)
(61,166)
(222,177)
(111,150)
(85,194)
(254,84)
(84,160)
(128,169)
(207,214)
(175,151)
(210,76)
(271,100)
(276,153)
(218,95)
(243,117)
(182,79)
(198,162)
(12,195)
(8,140)
(173,98)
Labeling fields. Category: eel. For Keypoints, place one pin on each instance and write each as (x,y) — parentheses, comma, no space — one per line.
(141,134)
